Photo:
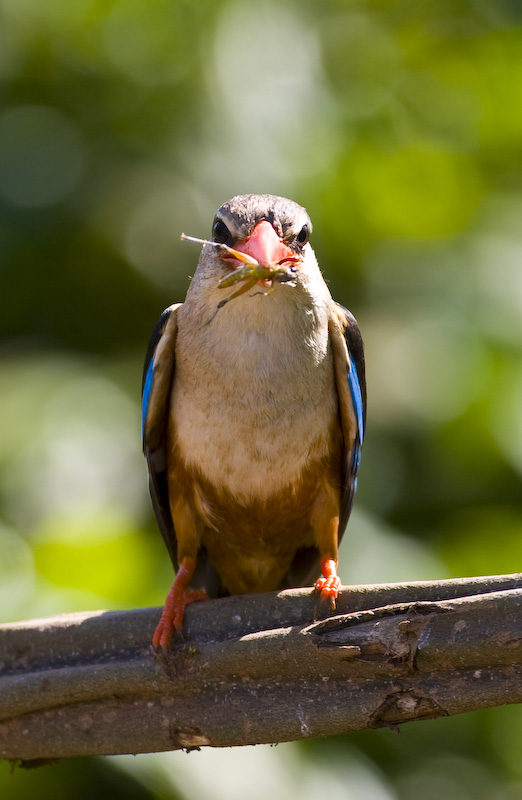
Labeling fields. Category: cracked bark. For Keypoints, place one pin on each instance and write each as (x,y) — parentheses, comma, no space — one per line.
(257,669)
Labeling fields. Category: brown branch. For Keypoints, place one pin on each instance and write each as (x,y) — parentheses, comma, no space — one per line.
(257,669)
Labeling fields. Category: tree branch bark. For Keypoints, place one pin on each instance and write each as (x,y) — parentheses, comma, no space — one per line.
(256,669)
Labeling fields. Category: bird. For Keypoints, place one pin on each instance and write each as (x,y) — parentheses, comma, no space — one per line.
(253,418)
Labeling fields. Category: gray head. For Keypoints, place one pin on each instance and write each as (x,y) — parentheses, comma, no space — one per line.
(273,233)
(236,219)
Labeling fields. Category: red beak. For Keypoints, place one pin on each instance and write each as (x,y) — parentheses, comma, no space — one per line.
(265,246)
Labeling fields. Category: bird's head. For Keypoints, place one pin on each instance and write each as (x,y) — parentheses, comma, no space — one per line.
(272,230)
(258,240)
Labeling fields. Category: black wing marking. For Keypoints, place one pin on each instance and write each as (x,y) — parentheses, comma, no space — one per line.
(158,377)
(356,379)
(348,352)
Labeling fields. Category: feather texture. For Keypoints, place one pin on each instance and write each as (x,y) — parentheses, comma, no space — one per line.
(253,418)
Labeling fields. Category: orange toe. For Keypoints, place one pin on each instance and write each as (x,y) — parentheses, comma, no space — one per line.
(329,584)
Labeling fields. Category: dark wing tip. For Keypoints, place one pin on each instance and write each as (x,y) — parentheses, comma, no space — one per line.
(356,379)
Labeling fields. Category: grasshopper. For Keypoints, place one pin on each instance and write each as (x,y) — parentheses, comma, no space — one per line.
(251,273)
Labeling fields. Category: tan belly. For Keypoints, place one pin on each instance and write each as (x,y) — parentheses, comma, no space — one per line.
(252,408)
(251,544)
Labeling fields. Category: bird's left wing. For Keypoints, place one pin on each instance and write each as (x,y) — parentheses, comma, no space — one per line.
(348,353)
(158,377)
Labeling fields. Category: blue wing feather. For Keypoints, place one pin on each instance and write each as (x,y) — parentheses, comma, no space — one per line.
(145,397)
(156,386)
(358,404)
(355,378)
(158,377)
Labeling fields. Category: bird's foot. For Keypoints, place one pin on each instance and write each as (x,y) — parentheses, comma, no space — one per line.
(328,586)
(177,600)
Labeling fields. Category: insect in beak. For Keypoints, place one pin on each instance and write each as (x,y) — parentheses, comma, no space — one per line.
(253,272)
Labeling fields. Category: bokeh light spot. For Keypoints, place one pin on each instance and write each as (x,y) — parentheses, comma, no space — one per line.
(42,156)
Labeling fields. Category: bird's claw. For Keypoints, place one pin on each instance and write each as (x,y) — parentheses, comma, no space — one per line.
(176,602)
(172,619)
(329,583)
(328,589)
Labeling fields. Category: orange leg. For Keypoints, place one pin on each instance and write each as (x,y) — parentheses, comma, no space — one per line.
(325,523)
(174,609)
(330,583)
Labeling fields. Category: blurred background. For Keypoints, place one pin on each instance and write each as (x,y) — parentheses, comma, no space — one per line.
(399,126)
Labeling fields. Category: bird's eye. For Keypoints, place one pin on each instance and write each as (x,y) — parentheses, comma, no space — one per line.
(302,236)
(220,232)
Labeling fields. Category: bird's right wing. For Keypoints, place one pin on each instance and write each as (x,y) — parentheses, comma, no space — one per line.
(158,378)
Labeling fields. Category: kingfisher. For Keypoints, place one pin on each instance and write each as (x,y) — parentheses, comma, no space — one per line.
(253,415)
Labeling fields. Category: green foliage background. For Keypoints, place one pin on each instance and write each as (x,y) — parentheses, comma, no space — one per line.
(399,126)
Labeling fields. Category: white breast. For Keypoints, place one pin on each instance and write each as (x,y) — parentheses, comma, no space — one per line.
(254,394)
